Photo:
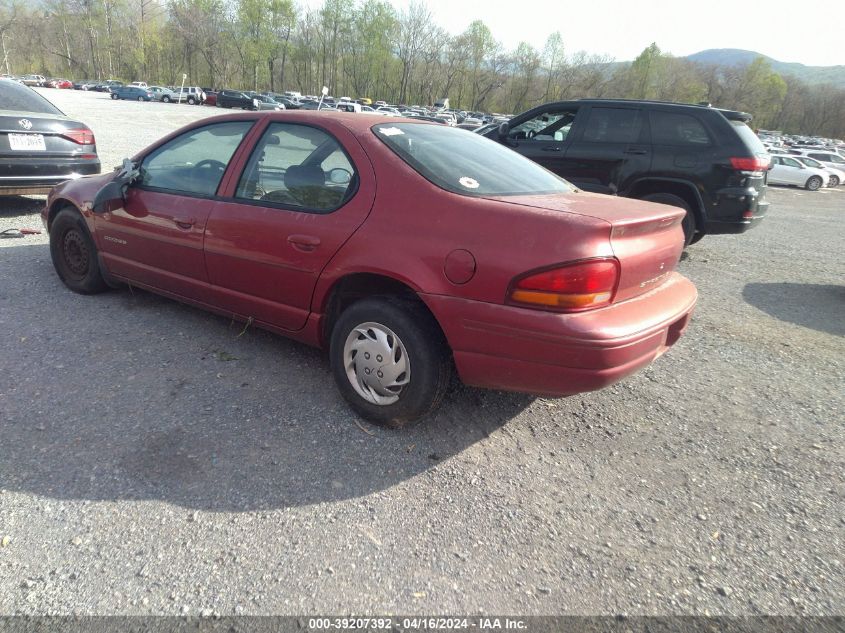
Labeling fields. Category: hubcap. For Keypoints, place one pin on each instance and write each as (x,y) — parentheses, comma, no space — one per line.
(75,252)
(376,363)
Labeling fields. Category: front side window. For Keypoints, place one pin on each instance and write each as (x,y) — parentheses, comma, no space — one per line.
(194,162)
(466,163)
(673,128)
(546,126)
(298,166)
(791,162)
(613,125)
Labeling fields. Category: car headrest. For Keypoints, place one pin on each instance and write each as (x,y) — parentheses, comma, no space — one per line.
(298,176)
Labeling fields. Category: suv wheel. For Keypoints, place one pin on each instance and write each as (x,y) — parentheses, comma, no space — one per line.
(688,224)
(389,360)
(191,101)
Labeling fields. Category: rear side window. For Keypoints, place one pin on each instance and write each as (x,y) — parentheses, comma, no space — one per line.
(20,98)
(298,166)
(613,125)
(194,162)
(674,128)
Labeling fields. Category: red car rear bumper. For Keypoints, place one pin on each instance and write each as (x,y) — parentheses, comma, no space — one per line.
(545,353)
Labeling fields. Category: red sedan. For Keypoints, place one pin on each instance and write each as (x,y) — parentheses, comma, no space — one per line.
(409,250)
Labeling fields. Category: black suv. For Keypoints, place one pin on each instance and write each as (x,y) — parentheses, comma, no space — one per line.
(235,99)
(702,159)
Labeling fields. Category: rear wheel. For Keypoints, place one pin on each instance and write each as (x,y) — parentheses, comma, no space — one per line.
(74,254)
(688,223)
(390,360)
(813,183)
(191,101)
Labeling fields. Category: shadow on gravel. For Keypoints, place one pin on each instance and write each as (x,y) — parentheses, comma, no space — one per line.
(18,205)
(127,395)
(815,306)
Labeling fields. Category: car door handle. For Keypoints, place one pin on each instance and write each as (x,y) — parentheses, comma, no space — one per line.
(185,223)
(305,243)
(551,148)
(636,151)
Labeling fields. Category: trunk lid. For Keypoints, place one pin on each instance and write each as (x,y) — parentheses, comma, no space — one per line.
(645,237)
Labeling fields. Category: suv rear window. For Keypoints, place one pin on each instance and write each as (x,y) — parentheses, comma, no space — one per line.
(465,163)
(15,96)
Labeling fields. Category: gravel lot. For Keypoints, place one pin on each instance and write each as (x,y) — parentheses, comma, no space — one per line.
(154,459)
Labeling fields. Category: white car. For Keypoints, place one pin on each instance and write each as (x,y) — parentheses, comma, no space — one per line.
(788,170)
(140,84)
(826,157)
(837,176)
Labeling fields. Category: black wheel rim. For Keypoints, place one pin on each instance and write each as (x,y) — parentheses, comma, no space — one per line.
(75,254)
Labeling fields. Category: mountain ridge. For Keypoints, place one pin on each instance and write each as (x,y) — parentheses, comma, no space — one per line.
(739,57)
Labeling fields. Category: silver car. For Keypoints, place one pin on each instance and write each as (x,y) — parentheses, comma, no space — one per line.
(160,93)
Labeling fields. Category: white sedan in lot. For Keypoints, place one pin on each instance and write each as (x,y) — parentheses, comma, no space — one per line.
(837,175)
(788,170)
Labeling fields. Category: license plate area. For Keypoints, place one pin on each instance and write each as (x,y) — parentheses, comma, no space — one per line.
(27,142)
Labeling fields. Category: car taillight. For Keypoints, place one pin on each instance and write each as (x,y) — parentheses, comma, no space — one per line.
(81,135)
(582,285)
(756,163)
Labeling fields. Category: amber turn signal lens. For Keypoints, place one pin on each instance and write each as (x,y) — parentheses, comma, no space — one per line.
(577,286)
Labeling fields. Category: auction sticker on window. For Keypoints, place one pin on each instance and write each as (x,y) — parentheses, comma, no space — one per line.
(390,131)
(469,183)
(27,142)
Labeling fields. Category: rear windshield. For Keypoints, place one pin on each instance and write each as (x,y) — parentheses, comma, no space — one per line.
(20,98)
(469,164)
(748,137)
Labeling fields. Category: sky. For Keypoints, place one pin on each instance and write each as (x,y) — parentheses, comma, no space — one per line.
(623,28)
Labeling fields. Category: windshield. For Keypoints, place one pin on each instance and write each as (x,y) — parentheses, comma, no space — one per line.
(811,162)
(469,164)
(20,98)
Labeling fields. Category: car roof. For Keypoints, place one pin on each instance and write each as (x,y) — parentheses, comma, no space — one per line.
(733,115)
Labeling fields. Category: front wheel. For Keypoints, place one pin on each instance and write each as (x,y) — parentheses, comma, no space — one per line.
(114,96)
(191,101)
(390,360)
(165,99)
(814,183)
(74,254)
(688,223)
(834,181)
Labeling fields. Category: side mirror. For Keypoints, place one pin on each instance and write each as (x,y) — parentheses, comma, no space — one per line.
(109,198)
(339,176)
(504,129)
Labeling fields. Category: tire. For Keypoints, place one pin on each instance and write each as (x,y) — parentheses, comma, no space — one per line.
(191,101)
(140,98)
(395,327)
(834,181)
(813,183)
(688,223)
(114,96)
(165,99)
(74,254)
